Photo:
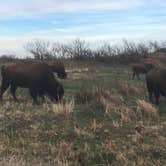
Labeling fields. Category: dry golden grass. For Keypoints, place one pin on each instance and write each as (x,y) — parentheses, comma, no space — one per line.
(100,127)
(94,125)
(108,147)
(128,89)
(13,161)
(113,104)
(64,108)
(146,108)
(16,160)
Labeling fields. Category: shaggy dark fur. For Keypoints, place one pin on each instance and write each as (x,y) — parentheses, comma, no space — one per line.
(156,83)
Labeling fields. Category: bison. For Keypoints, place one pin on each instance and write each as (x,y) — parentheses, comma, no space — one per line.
(156,83)
(141,68)
(37,77)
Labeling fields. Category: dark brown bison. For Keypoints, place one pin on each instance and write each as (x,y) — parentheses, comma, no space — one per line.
(37,77)
(141,68)
(156,83)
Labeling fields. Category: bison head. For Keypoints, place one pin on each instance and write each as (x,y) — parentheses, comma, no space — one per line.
(58,68)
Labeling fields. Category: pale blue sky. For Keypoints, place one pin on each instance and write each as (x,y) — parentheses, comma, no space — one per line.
(93,20)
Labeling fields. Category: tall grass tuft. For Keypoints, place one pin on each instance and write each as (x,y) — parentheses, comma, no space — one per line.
(146,108)
(64,108)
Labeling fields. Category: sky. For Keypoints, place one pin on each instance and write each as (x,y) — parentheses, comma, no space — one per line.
(23,21)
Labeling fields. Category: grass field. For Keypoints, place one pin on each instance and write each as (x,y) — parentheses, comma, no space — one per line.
(105,119)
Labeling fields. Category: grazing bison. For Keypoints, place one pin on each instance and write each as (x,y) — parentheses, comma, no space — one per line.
(141,68)
(156,83)
(37,77)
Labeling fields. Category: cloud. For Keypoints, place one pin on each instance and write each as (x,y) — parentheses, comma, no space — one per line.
(92,20)
(14,45)
(20,8)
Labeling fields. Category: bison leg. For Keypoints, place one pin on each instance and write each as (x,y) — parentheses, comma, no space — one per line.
(60,92)
(157,96)
(13,89)
(4,87)
(150,96)
(150,90)
(138,76)
(51,98)
(133,75)
(41,94)
(33,94)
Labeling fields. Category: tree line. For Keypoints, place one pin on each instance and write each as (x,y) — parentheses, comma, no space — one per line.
(78,49)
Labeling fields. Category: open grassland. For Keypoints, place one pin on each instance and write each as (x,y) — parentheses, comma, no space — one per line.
(105,119)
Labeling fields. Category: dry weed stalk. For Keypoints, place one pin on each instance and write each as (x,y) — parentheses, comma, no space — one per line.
(64,108)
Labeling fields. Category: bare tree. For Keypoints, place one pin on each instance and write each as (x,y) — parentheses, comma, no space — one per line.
(60,50)
(154,46)
(125,52)
(79,49)
(39,49)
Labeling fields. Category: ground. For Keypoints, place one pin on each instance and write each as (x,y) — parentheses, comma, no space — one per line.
(105,119)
